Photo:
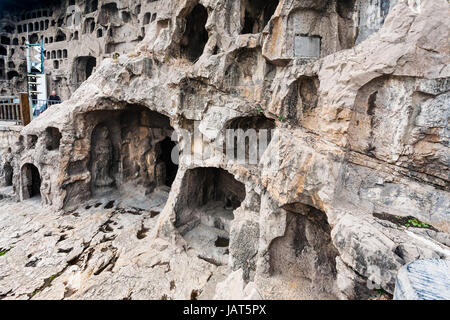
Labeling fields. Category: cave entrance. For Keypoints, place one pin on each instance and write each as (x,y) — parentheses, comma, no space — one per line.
(195,35)
(8,173)
(131,153)
(52,138)
(302,100)
(169,170)
(211,195)
(255,14)
(91,6)
(83,67)
(305,254)
(31,181)
(247,138)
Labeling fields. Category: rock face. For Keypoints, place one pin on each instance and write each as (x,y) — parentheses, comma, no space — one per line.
(77,35)
(311,157)
(423,280)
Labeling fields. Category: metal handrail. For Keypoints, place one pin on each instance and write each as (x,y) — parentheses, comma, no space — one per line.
(40,105)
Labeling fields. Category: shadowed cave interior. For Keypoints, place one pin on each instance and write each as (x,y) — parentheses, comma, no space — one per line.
(205,211)
(305,253)
(131,154)
(31,181)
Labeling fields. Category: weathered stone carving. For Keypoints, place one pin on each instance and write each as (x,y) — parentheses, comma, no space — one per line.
(101,158)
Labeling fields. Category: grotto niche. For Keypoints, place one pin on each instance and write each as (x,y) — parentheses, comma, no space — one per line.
(131,153)
(31,181)
(255,14)
(8,173)
(205,211)
(195,35)
(305,254)
(247,138)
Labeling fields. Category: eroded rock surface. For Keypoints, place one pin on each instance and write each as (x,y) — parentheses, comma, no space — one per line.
(352,184)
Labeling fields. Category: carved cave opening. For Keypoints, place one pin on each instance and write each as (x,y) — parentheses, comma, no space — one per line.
(91,6)
(169,170)
(31,181)
(195,35)
(365,116)
(147,17)
(305,253)
(132,148)
(346,8)
(8,173)
(5,40)
(302,100)
(52,138)
(247,138)
(60,36)
(255,14)
(33,38)
(204,214)
(109,13)
(31,141)
(83,67)
(12,74)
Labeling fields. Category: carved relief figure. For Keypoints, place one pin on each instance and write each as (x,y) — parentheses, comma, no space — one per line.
(46,189)
(101,158)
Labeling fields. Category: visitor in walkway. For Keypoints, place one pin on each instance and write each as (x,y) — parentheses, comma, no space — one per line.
(54,99)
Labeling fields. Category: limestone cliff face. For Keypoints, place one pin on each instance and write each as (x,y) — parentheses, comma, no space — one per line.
(357,96)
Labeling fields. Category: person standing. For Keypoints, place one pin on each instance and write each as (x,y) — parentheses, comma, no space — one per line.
(54,99)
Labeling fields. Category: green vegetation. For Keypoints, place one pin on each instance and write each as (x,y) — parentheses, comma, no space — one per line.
(380,291)
(35,292)
(259,109)
(414,222)
(409,221)
(3,252)
(281,118)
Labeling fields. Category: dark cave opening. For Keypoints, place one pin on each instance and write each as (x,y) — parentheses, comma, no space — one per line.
(345,8)
(256,14)
(33,38)
(164,150)
(52,138)
(305,252)
(83,67)
(8,172)
(12,74)
(109,13)
(247,138)
(147,17)
(195,35)
(204,219)
(31,181)
(131,147)
(60,36)
(91,6)
(302,100)
(5,40)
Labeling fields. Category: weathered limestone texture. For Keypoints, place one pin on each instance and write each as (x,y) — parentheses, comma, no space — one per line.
(424,280)
(353,185)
